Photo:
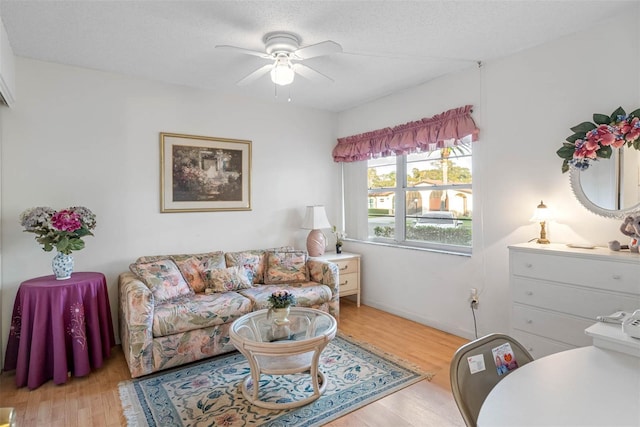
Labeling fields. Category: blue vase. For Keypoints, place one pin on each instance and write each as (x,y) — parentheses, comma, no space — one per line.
(62,266)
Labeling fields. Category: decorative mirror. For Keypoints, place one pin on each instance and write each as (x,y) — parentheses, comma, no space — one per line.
(604,163)
(610,188)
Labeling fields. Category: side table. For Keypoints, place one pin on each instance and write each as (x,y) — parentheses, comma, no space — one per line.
(57,327)
(349,268)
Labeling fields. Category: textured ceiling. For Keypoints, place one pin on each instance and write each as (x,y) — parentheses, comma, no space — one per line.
(388,45)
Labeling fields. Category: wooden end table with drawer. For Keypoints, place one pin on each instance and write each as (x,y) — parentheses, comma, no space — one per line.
(349,268)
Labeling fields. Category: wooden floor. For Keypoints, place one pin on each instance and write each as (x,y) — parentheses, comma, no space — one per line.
(94,400)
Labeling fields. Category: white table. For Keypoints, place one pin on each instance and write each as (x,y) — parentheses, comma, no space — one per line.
(588,386)
(277,349)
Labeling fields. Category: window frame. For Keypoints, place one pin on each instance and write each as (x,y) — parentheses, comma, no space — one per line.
(400,192)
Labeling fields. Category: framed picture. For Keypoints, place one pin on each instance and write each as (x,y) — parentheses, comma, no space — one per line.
(201,174)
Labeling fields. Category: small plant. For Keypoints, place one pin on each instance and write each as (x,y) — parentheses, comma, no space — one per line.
(282,299)
(340,235)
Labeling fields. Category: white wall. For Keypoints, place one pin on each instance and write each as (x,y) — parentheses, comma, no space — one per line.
(524,106)
(81,137)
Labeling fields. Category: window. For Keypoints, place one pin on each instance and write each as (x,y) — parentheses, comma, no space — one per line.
(422,199)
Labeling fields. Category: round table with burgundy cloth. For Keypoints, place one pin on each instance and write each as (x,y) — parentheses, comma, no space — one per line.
(59,327)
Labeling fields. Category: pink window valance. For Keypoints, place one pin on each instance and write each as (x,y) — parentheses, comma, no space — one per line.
(426,134)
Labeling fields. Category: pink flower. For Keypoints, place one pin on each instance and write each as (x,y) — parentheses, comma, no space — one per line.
(586,149)
(66,220)
(602,135)
(634,130)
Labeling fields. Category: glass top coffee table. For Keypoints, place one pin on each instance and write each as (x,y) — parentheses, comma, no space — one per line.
(274,348)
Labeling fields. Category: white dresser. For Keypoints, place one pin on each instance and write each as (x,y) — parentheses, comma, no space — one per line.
(558,291)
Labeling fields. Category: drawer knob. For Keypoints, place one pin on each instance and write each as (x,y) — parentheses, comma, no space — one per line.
(345,282)
(617,277)
(528,265)
(529,293)
(344,268)
(529,321)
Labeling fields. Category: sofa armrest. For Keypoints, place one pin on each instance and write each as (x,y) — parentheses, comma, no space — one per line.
(136,304)
(326,273)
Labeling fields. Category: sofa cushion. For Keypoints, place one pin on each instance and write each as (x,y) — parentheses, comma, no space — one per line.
(198,311)
(251,261)
(191,271)
(226,279)
(308,294)
(163,278)
(286,267)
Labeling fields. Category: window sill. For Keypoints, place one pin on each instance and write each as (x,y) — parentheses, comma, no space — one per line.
(413,248)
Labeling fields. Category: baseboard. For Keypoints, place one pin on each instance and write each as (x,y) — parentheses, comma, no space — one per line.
(432,323)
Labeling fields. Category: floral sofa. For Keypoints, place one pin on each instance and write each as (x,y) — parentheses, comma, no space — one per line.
(175,309)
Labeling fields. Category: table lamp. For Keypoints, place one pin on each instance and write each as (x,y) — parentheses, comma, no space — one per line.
(542,214)
(314,220)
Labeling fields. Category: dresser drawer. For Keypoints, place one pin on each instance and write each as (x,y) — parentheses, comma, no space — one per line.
(539,346)
(595,273)
(348,282)
(347,266)
(563,328)
(584,302)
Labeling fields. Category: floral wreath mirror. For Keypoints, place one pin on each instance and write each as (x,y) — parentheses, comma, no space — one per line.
(609,188)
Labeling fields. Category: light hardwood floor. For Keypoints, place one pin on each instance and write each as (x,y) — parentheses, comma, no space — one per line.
(94,400)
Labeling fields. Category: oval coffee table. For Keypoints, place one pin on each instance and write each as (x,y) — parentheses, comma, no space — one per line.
(283,349)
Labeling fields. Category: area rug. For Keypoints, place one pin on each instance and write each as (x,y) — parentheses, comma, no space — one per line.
(208,394)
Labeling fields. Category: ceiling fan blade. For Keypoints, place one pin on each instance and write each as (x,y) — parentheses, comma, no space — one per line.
(255,75)
(309,73)
(246,51)
(319,49)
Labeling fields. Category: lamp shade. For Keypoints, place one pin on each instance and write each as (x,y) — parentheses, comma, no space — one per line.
(541,214)
(315,218)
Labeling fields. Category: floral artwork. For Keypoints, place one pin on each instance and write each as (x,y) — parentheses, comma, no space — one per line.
(204,174)
(62,230)
(591,141)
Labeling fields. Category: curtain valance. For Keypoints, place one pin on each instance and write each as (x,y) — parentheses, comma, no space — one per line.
(426,134)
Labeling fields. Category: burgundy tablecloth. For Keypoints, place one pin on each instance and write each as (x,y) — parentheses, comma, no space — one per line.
(57,327)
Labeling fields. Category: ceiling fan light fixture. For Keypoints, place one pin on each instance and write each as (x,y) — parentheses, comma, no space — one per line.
(282,72)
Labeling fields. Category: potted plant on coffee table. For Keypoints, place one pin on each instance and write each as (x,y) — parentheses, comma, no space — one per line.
(281,302)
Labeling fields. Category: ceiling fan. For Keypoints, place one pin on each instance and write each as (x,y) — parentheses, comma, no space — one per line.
(283,50)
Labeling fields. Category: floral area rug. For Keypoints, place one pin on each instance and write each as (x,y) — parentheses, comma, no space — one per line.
(208,393)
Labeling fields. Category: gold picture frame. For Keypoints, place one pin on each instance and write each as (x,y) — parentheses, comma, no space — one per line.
(204,174)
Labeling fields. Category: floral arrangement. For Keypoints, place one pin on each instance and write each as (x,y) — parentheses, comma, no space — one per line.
(62,230)
(340,235)
(282,299)
(592,140)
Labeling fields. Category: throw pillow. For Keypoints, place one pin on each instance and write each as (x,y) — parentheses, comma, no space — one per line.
(163,278)
(226,279)
(286,267)
(190,269)
(251,261)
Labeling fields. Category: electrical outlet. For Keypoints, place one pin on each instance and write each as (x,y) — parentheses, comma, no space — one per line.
(474,298)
